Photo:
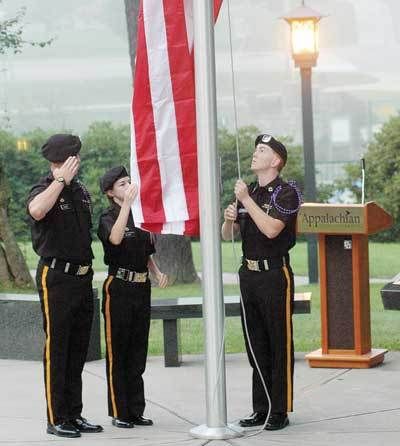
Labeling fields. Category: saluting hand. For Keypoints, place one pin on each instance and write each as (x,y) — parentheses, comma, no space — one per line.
(162,280)
(230,213)
(68,170)
(241,190)
(130,194)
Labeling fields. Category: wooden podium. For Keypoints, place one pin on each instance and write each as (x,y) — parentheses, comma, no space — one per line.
(344,281)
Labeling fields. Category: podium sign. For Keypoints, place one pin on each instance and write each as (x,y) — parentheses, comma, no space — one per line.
(344,280)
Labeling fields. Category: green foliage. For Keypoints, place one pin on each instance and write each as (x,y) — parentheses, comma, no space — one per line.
(104,145)
(11,34)
(382,162)
(294,169)
(22,169)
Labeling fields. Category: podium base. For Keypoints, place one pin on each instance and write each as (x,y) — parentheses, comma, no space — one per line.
(217,433)
(346,360)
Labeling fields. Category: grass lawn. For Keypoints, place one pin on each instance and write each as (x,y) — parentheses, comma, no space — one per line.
(384,258)
(384,262)
(306,327)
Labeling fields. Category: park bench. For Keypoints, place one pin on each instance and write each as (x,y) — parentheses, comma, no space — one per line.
(171,311)
(21,332)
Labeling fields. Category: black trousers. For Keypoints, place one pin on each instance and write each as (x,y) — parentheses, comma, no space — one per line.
(67,307)
(268,301)
(126,310)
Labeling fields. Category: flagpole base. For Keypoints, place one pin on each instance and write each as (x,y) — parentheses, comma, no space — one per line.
(217,433)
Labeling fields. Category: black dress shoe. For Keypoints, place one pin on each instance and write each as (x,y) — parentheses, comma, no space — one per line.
(256,419)
(63,429)
(277,421)
(141,421)
(83,425)
(117,422)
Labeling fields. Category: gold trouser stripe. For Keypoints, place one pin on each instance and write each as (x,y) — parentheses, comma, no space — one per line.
(47,345)
(288,341)
(109,345)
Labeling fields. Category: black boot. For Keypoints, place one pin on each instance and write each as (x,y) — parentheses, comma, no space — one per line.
(256,419)
(63,429)
(117,422)
(82,425)
(139,420)
(277,421)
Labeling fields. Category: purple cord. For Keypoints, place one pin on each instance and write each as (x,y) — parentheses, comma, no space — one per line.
(280,208)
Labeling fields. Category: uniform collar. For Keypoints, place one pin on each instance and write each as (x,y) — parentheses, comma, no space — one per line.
(270,187)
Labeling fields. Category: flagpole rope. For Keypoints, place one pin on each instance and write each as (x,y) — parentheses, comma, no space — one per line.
(235,114)
(236,260)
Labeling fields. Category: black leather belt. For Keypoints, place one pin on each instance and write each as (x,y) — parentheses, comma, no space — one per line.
(265,264)
(128,275)
(67,267)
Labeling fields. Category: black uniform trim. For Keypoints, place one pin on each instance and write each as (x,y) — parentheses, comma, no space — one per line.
(135,248)
(268,295)
(289,342)
(67,308)
(107,317)
(47,346)
(255,244)
(64,233)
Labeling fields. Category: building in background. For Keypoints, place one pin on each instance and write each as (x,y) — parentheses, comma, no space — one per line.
(85,75)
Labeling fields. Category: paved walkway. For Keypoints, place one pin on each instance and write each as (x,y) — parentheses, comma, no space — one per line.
(332,406)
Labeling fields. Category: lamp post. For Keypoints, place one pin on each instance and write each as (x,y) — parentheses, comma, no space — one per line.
(303,23)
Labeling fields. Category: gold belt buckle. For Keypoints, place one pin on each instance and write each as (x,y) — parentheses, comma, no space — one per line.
(82,270)
(140,277)
(252,265)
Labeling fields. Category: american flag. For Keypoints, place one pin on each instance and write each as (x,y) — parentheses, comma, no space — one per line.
(163,119)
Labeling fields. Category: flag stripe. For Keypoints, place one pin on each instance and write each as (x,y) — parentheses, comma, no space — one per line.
(163,119)
(135,176)
(146,149)
(173,194)
(182,79)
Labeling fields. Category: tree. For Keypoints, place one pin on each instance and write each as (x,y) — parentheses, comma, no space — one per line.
(382,161)
(104,146)
(11,34)
(294,170)
(13,268)
(131,13)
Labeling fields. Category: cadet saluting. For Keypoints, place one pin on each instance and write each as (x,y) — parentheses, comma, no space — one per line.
(126,300)
(266,218)
(60,210)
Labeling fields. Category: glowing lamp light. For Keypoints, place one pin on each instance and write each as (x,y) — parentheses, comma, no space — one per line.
(22,145)
(304,29)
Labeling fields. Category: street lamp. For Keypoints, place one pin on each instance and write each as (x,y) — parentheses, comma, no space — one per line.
(303,23)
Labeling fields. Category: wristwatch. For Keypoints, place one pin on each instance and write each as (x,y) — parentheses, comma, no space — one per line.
(60,180)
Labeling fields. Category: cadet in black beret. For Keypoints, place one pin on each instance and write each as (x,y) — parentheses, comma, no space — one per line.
(274,144)
(60,209)
(111,176)
(126,299)
(61,146)
(265,216)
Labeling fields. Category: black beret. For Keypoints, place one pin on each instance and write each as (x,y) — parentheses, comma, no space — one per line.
(59,147)
(111,176)
(275,145)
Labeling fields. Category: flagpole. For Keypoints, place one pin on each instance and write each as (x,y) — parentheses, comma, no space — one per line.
(209,204)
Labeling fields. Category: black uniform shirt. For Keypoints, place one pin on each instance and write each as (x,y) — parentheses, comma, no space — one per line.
(136,246)
(64,233)
(255,244)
